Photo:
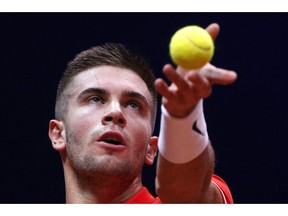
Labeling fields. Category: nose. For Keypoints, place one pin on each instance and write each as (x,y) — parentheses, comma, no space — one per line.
(114,115)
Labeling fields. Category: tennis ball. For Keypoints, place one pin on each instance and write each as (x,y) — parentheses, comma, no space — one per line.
(191,47)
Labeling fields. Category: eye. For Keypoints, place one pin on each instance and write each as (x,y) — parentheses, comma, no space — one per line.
(96,99)
(134,105)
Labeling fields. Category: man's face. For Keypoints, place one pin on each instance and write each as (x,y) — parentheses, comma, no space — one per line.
(108,123)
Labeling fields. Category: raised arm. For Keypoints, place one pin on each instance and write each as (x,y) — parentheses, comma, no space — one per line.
(186,159)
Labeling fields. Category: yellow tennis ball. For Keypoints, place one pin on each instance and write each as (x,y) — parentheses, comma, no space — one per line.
(191,47)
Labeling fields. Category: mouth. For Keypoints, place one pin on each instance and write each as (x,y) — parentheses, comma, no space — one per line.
(112,138)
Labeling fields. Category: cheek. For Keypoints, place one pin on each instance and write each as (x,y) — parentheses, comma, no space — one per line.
(140,133)
(78,136)
(79,128)
(80,131)
(139,123)
(83,120)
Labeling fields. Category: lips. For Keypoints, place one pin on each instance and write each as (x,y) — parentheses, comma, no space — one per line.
(112,138)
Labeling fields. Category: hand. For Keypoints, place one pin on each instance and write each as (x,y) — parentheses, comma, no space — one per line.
(188,88)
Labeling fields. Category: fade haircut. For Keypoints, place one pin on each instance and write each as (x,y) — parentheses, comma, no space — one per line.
(109,54)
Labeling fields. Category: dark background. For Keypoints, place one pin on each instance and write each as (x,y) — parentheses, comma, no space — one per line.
(247,121)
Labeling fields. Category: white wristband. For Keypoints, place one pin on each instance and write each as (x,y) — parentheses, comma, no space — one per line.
(183,139)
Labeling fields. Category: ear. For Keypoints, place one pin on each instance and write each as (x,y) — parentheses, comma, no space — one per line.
(151,150)
(57,135)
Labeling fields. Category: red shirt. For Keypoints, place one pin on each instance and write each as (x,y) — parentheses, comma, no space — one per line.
(144,197)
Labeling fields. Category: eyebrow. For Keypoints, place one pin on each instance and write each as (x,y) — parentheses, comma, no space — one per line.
(99,91)
(103,92)
(133,94)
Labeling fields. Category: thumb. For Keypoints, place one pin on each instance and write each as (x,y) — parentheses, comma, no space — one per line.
(218,75)
(213,29)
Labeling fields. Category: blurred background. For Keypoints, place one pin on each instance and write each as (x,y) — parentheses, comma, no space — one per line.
(247,121)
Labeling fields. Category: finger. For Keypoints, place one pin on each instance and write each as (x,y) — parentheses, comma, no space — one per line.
(213,29)
(218,75)
(176,78)
(201,85)
(162,88)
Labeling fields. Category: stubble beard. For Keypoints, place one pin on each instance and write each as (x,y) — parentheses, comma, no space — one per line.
(105,169)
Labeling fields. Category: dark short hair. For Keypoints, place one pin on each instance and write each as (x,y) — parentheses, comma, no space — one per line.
(110,54)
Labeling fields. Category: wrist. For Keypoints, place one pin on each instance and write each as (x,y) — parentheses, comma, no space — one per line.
(183,139)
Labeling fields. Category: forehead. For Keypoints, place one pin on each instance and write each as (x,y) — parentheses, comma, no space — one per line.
(113,79)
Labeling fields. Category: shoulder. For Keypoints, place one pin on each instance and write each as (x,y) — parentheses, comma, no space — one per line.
(223,188)
(143,196)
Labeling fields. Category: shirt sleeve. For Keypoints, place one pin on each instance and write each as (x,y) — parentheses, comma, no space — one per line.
(223,188)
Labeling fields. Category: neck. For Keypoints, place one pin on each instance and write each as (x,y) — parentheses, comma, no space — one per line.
(81,189)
